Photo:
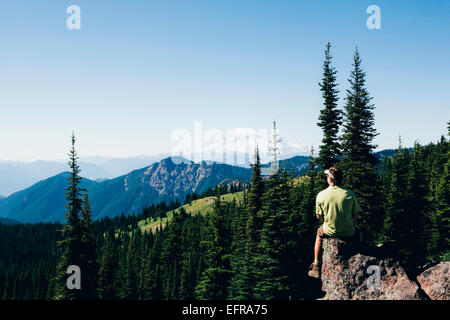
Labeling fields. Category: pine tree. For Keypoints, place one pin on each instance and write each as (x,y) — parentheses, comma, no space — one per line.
(395,227)
(358,162)
(71,245)
(108,268)
(406,207)
(253,226)
(172,256)
(330,117)
(215,279)
(386,177)
(254,204)
(417,208)
(274,257)
(152,278)
(303,225)
(239,285)
(89,265)
(132,267)
(191,254)
(439,199)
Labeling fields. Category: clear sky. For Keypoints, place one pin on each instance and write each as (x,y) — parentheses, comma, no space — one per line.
(138,70)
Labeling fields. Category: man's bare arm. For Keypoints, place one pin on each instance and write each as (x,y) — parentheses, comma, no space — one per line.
(320,218)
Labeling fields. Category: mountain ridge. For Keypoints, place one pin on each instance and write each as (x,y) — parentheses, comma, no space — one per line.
(167,180)
(128,194)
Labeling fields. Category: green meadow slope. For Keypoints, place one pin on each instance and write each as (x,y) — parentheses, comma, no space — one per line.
(200,206)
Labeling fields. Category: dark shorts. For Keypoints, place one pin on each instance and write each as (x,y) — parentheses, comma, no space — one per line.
(322,235)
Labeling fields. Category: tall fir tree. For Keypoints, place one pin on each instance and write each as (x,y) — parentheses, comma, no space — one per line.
(89,275)
(439,199)
(330,117)
(304,225)
(215,279)
(254,204)
(273,257)
(71,245)
(191,246)
(108,269)
(172,256)
(253,226)
(358,162)
(405,220)
(417,209)
(239,283)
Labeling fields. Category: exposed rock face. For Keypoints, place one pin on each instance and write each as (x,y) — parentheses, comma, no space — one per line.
(435,281)
(351,272)
(175,179)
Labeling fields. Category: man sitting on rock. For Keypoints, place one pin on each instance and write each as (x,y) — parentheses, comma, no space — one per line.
(337,208)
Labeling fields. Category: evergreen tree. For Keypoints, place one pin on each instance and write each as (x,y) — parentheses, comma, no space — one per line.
(303,225)
(417,208)
(274,257)
(239,283)
(395,227)
(132,267)
(89,265)
(172,256)
(386,178)
(330,117)
(253,226)
(152,278)
(439,199)
(191,255)
(72,243)
(108,268)
(216,276)
(358,163)
(406,207)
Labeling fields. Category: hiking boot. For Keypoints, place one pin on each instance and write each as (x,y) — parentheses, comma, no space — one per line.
(314,270)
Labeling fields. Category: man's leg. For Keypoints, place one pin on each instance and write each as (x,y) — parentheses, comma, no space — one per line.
(317,248)
(314,268)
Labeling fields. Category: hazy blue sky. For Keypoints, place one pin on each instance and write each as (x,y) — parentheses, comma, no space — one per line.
(138,70)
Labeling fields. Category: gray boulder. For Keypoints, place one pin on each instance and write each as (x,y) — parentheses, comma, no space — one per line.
(355,272)
(434,281)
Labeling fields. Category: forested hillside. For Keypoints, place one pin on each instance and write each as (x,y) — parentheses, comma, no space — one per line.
(208,256)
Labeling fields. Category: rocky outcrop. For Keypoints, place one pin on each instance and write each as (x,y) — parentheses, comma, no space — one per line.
(356,272)
(434,281)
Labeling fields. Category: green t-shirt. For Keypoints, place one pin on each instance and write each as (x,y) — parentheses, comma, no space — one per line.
(336,205)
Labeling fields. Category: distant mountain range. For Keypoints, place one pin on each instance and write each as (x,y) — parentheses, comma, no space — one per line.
(17,175)
(8,221)
(166,180)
